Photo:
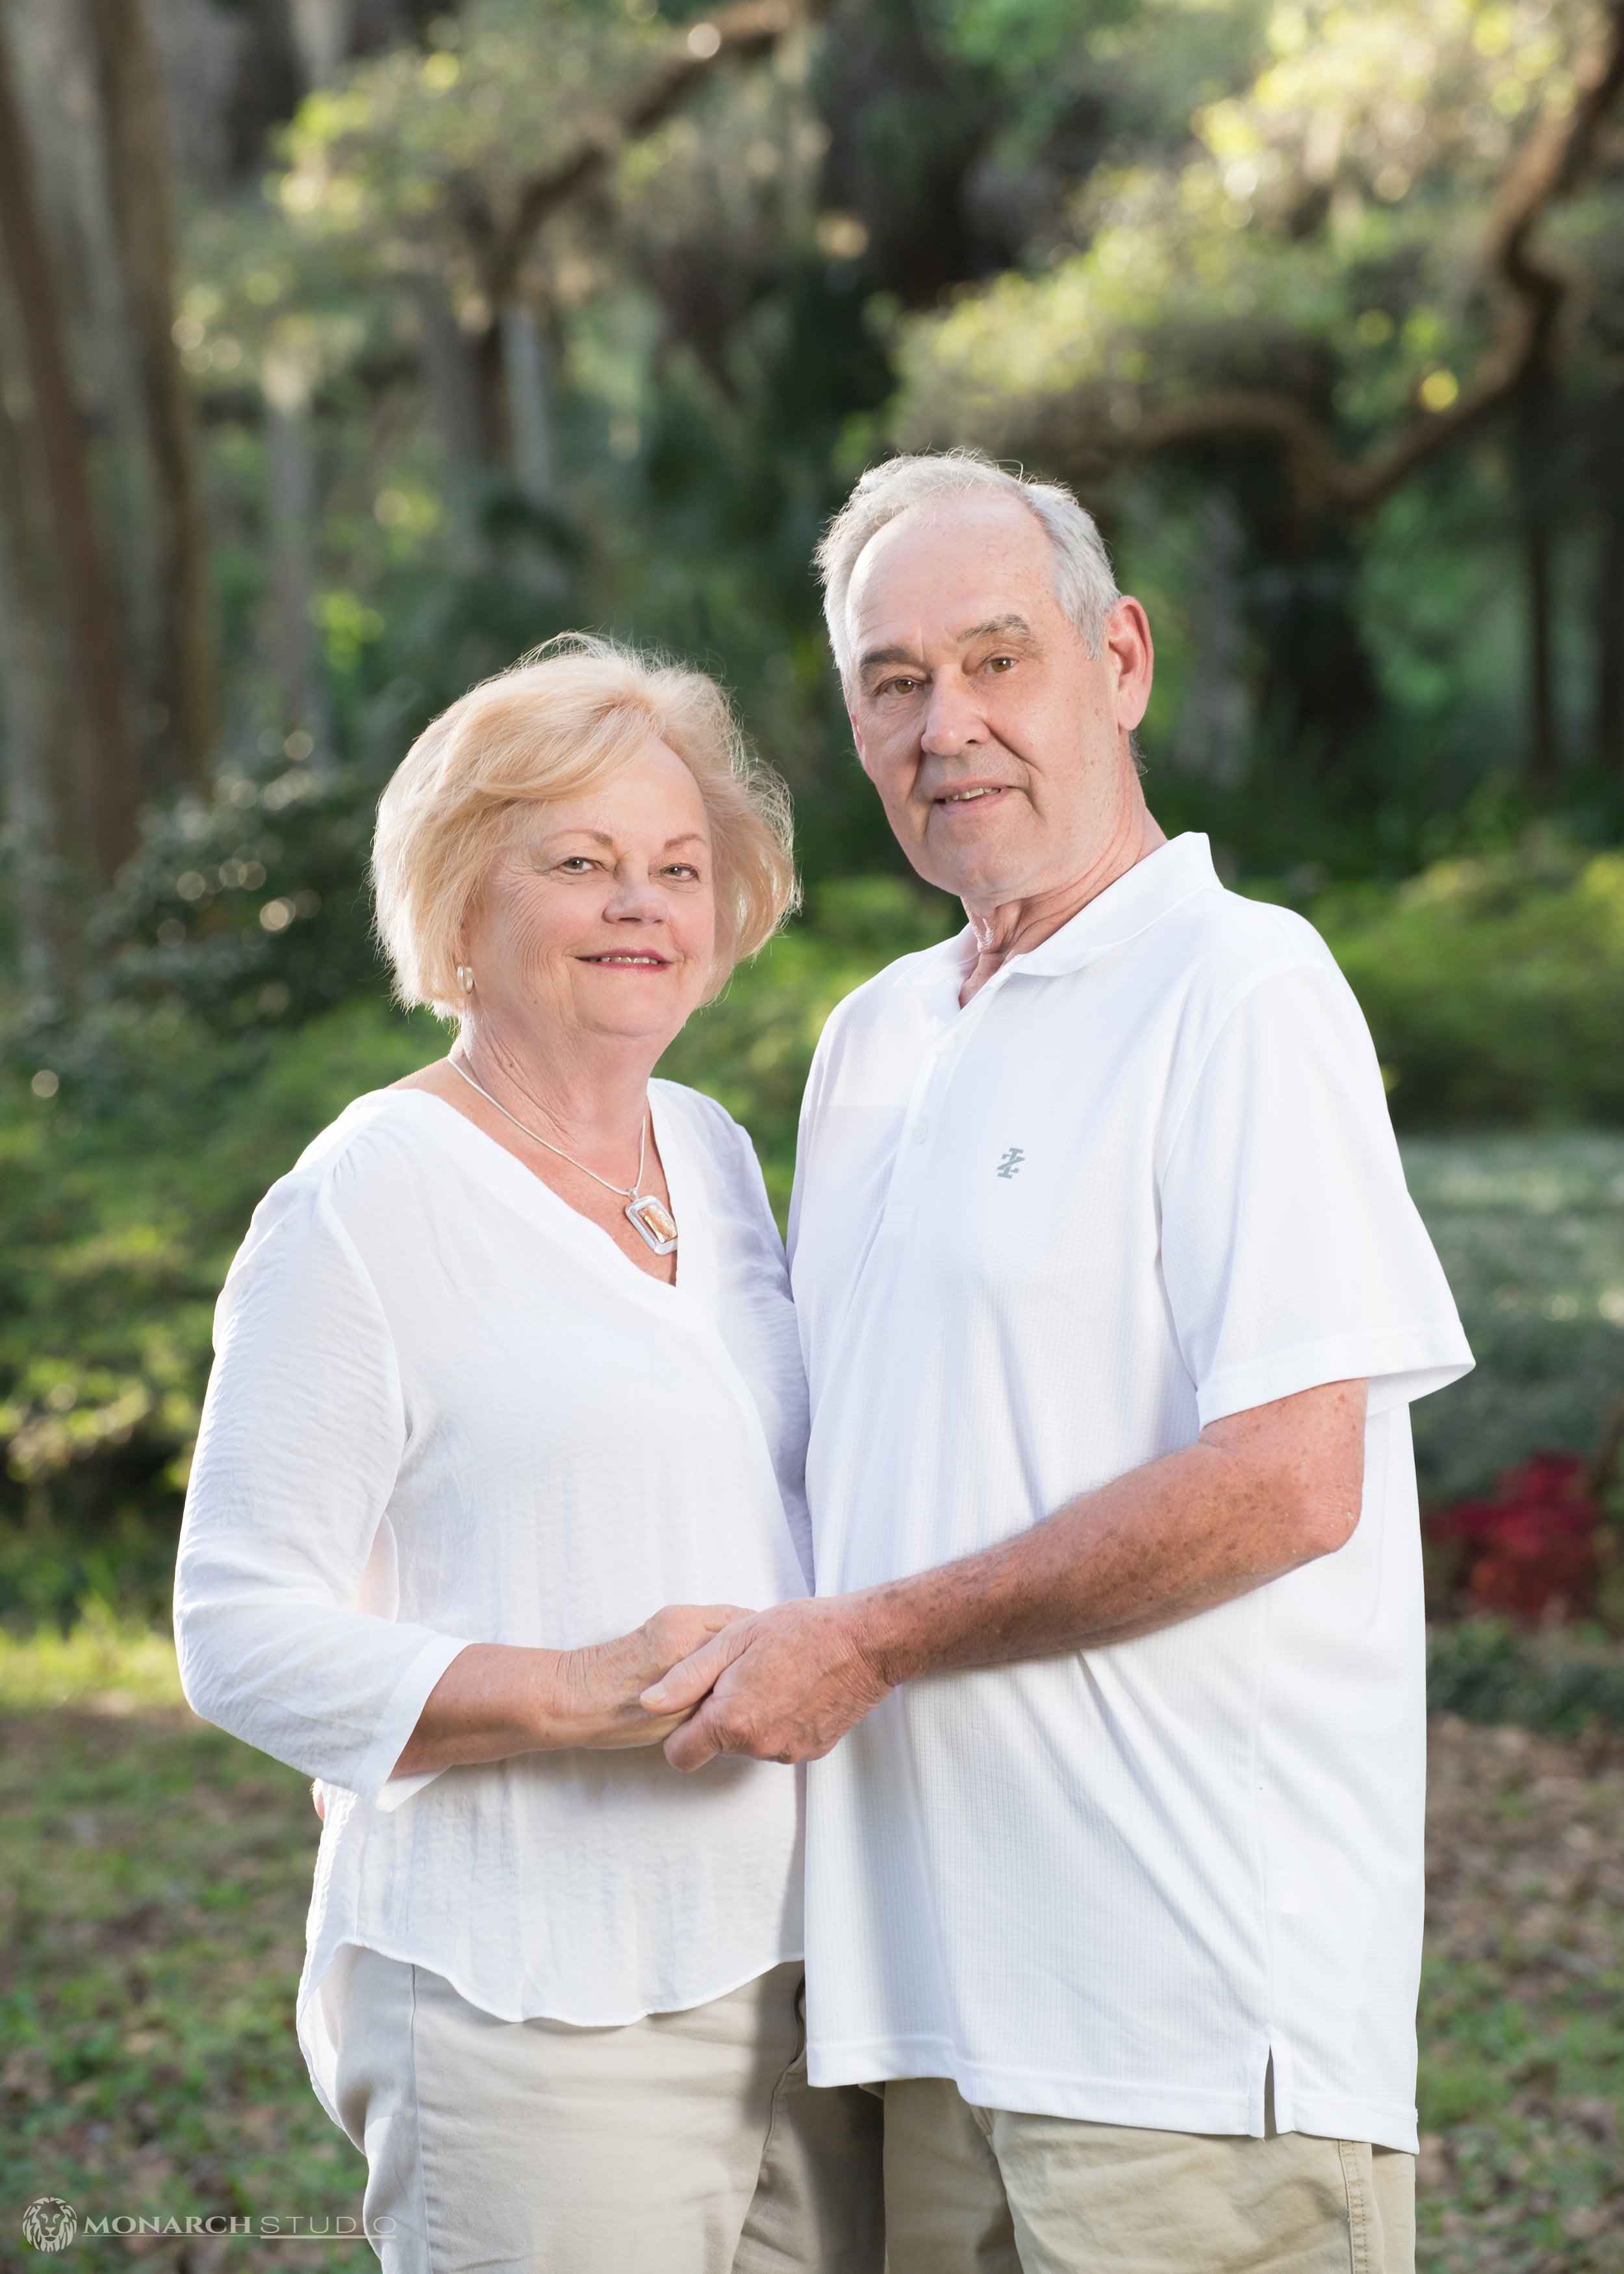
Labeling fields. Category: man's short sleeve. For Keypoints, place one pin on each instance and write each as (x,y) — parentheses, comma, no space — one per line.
(1291,1250)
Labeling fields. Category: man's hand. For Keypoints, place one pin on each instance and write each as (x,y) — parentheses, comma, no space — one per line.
(1258,1494)
(785,1685)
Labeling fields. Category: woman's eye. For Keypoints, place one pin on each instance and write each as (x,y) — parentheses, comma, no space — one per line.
(684,872)
(575,863)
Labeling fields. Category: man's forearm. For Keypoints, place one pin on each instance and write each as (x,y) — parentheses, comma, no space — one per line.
(1258,1494)
(1185,1532)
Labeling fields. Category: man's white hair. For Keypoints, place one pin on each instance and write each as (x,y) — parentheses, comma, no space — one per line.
(1083,585)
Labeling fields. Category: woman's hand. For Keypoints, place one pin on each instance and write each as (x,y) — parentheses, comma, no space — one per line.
(497,1699)
(598,1688)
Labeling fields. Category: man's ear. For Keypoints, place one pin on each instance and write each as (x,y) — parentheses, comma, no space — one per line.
(1132,655)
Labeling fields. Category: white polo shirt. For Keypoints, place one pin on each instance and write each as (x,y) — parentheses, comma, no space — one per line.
(1144,1179)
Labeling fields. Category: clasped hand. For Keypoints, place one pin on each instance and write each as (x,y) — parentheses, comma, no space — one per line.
(598,1691)
(783,1684)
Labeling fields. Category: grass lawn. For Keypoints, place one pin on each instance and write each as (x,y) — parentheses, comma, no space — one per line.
(156,1879)
(155,1883)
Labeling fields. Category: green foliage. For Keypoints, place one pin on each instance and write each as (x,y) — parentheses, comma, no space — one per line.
(122,1196)
(123,1193)
(1494,987)
(1327,213)
(1530,1230)
(752,1048)
(106,1663)
(1487,1670)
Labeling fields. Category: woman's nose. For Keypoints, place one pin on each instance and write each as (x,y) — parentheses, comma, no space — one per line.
(635,899)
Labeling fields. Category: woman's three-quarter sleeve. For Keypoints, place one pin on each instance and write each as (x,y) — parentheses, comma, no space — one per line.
(303,1433)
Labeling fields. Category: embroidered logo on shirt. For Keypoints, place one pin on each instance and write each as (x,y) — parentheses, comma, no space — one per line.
(1009,1165)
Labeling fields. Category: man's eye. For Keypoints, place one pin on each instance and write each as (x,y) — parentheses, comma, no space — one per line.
(1000,663)
(899,686)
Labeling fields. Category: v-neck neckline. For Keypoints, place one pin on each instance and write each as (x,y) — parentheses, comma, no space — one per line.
(518,1183)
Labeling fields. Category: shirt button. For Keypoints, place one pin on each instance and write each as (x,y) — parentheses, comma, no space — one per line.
(919,1132)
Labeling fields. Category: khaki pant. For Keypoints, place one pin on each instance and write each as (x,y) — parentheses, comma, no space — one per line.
(685,2143)
(980,2191)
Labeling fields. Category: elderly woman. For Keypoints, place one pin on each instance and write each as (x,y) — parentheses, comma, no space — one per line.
(507,1416)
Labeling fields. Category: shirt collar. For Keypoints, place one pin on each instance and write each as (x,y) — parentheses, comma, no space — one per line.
(1139,897)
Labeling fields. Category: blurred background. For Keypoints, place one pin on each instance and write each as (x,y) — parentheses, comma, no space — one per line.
(349,348)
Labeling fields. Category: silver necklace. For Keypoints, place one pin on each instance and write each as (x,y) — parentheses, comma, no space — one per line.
(653,1219)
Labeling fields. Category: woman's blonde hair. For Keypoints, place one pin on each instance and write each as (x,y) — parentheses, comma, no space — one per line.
(559,720)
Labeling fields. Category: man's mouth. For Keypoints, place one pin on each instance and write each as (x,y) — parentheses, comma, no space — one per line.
(969,796)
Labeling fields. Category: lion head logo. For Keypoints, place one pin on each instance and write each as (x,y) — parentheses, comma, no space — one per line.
(50,2223)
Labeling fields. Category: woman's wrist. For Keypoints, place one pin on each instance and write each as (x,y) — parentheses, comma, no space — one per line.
(560,1712)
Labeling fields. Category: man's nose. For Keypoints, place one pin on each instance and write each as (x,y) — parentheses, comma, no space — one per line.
(952,719)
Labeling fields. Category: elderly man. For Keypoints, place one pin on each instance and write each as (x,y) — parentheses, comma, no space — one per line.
(1113,1304)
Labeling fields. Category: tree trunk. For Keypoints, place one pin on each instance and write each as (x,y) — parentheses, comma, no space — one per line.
(1533,486)
(527,383)
(1609,645)
(181,680)
(99,666)
(40,746)
(291,480)
(321,33)
(454,386)
(1541,741)
(1210,739)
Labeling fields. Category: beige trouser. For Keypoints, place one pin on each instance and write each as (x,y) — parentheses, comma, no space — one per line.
(980,2191)
(685,2143)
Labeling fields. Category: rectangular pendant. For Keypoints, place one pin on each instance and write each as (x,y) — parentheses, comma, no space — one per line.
(654,1221)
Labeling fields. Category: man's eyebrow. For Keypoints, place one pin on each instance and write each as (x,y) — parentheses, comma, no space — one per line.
(994,625)
(877,655)
(991,630)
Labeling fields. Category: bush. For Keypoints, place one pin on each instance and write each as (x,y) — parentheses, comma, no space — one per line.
(1485,1670)
(1494,987)
(122,1195)
(1544,1544)
(125,1191)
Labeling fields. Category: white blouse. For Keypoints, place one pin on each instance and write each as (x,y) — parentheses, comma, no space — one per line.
(445,1408)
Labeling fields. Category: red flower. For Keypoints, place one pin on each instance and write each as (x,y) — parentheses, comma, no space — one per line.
(1535,1542)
